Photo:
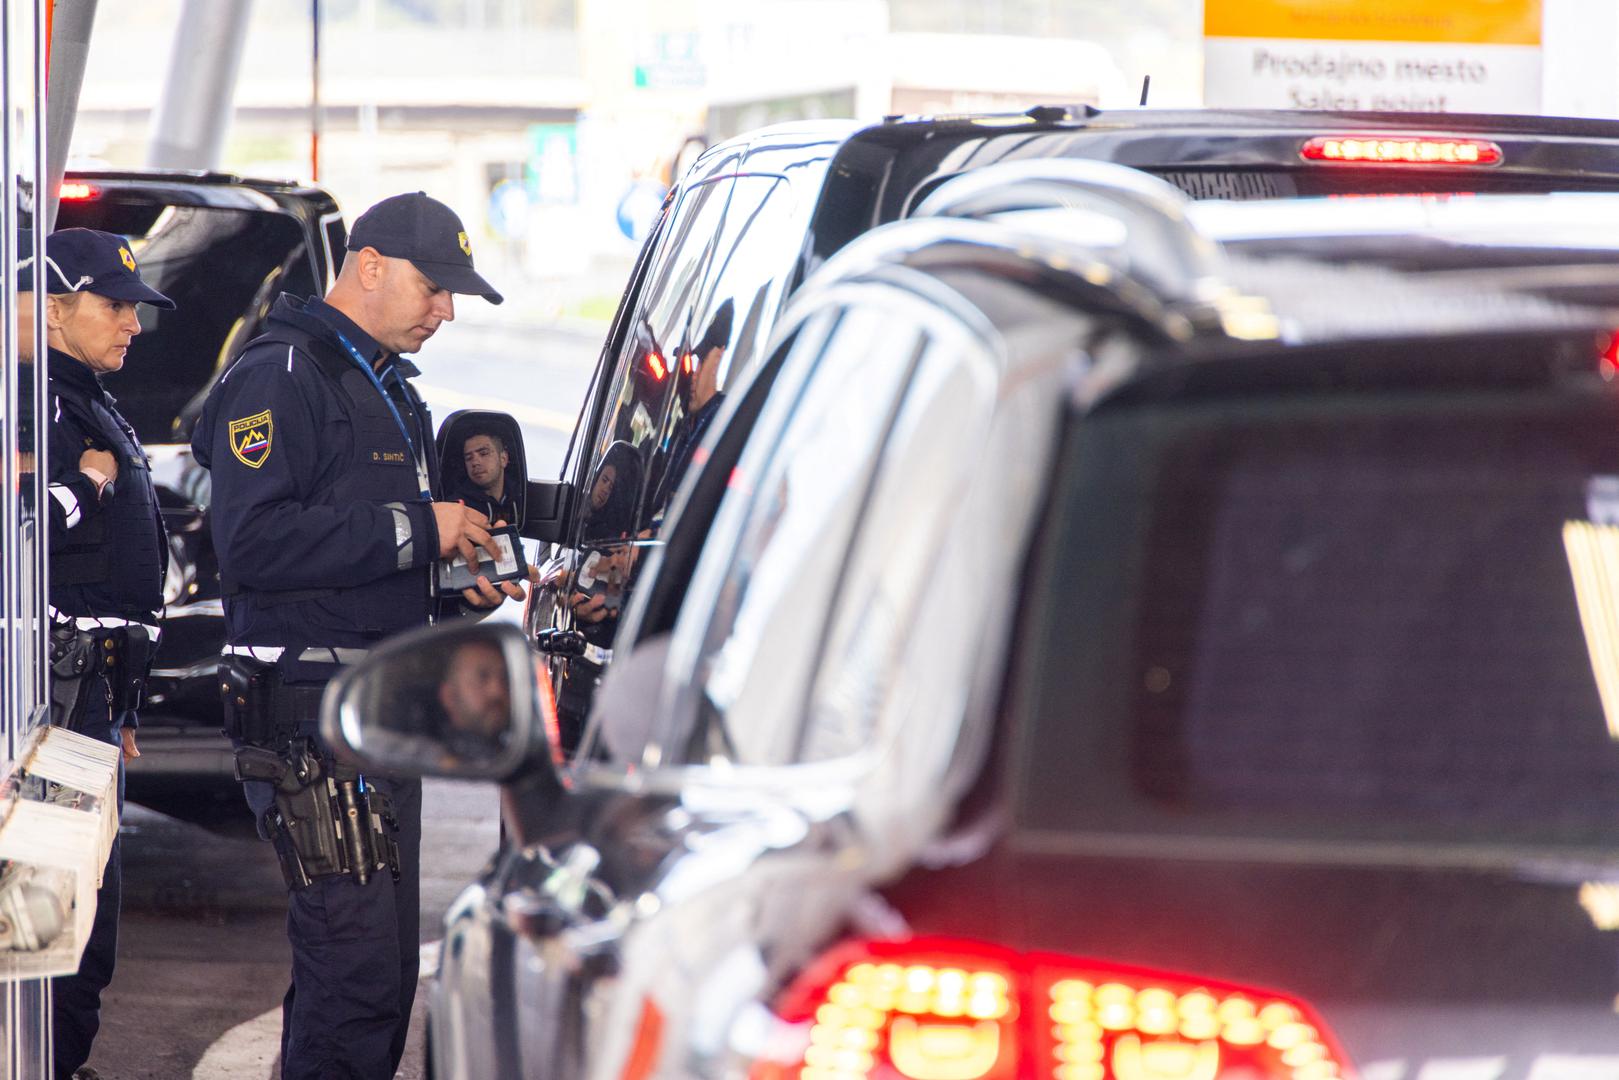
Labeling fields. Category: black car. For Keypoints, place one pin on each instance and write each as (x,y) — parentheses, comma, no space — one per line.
(1112,638)
(222,247)
(755,216)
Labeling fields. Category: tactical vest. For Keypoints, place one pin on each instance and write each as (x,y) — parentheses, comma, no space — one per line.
(381,468)
(113,564)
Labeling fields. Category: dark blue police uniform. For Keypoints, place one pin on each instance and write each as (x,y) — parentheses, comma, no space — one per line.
(324,467)
(325,534)
(108,556)
(93,589)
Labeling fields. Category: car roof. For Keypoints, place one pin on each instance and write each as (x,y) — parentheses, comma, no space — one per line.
(216,189)
(1418,268)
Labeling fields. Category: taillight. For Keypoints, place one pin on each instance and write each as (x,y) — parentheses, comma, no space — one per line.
(954,1010)
(76,190)
(1381,150)
(654,364)
(1609,366)
(1118,1023)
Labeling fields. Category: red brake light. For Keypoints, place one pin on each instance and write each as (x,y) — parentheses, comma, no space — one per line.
(75,190)
(955,1010)
(1379,150)
(654,363)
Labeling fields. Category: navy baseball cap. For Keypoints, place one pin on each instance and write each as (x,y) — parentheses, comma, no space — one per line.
(88,260)
(419,228)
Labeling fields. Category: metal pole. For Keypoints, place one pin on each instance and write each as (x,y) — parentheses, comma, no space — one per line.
(71,22)
(314,91)
(188,128)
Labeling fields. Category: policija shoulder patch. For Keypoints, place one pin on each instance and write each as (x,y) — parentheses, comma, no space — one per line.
(250,439)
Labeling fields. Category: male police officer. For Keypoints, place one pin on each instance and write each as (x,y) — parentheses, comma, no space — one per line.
(325,522)
(108,555)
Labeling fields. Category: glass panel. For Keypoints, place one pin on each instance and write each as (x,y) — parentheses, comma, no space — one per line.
(24,1037)
(710,298)
(892,561)
(805,495)
(22,682)
(1343,620)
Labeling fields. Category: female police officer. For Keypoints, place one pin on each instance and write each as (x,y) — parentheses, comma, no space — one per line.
(107,549)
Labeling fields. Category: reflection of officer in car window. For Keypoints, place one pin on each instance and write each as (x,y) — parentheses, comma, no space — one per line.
(483,488)
(706,398)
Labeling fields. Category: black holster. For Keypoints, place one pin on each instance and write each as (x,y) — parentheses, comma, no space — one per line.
(73,671)
(121,654)
(257,707)
(326,821)
(129,662)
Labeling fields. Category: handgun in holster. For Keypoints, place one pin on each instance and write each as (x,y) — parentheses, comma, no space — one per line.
(73,669)
(122,655)
(325,821)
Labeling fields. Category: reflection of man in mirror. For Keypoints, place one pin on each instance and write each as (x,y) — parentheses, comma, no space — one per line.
(706,398)
(476,696)
(486,459)
(609,516)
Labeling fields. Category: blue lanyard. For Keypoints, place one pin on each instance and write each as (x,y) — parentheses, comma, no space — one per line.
(370,373)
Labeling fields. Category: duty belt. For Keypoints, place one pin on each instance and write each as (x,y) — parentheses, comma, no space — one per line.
(104,622)
(316,654)
(82,647)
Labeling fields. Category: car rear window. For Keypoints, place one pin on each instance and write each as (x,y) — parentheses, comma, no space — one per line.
(1350,616)
(220,266)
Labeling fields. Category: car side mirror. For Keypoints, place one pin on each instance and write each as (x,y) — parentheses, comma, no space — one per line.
(459,699)
(482,463)
(469,441)
(550,506)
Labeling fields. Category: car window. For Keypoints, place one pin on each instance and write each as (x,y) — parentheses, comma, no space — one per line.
(888,568)
(697,329)
(801,496)
(221,267)
(1351,618)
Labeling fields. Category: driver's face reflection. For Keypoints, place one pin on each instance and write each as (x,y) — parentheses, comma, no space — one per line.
(602,489)
(474,693)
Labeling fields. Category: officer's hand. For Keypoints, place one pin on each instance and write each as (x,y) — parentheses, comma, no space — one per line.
(462,531)
(131,751)
(486,595)
(101,461)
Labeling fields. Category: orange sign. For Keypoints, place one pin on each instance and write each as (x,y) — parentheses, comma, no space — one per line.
(1473,22)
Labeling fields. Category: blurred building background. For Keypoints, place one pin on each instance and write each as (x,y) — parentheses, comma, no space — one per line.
(553,126)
